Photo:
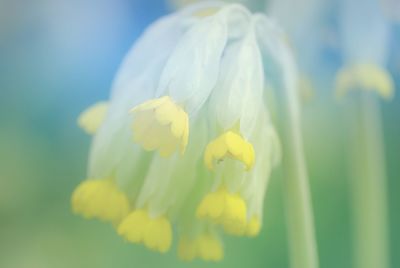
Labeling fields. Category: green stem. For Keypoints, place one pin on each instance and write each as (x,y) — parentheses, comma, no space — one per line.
(301,233)
(369,186)
(302,243)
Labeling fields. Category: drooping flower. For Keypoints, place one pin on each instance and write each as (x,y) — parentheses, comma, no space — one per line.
(187,139)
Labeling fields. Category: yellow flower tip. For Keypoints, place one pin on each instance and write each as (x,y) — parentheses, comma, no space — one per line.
(226,209)
(206,247)
(154,233)
(230,145)
(161,124)
(234,222)
(100,199)
(234,229)
(367,77)
(210,248)
(91,119)
(253,227)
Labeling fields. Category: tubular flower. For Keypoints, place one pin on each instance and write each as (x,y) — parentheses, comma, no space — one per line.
(160,123)
(199,240)
(232,145)
(224,208)
(205,246)
(92,118)
(100,199)
(139,227)
(207,79)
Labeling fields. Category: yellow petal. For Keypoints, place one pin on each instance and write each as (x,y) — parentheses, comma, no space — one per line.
(100,199)
(232,145)
(225,209)
(366,77)
(154,233)
(160,124)
(91,119)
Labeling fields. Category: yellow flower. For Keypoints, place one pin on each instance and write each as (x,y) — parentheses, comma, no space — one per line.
(154,233)
(100,199)
(367,77)
(161,124)
(218,180)
(231,145)
(91,119)
(204,246)
(224,208)
(253,226)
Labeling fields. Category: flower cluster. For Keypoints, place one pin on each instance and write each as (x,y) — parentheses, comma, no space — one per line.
(186,139)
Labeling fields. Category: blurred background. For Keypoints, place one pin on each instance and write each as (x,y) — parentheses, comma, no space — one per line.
(56,58)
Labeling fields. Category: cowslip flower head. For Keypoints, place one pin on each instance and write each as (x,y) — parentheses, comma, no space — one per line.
(187,140)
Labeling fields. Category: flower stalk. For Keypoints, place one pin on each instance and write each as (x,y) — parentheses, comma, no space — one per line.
(299,214)
(368,185)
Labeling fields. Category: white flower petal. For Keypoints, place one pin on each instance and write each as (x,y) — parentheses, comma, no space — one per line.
(192,70)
